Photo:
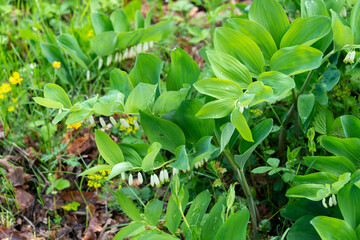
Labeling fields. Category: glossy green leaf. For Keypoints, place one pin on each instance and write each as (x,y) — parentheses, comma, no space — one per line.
(335,5)
(355,22)
(314,192)
(342,34)
(139,20)
(148,162)
(351,125)
(104,44)
(233,70)
(260,92)
(168,134)
(71,46)
(235,227)
(280,83)
(305,104)
(241,47)
(313,8)
(182,159)
(272,16)
(95,169)
(219,88)
(147,69)
(216,109)
(119,81)
(306,31)
(119,169)
(349,148)
(214,220)
(130,230)
(302,207)
(302,229)
(128,207)
(101,23)
(169,101)
(315,178)
(226,134)
(240,123)
(183,70)
(108,149)
(194,128)
(153,211)
(141,98)
(48,103)
(296,59)
(56,93)
(120,21)
(331,77)
(333,229)
(336,165)
(110,104)
(128,39)
(256,32)
(349,199)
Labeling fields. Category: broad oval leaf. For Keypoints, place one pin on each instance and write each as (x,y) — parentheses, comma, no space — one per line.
(227,67)
(119,168)
(349,148)
(336,165)
(351,125)
(349,200)
(355,22)
(48,103)
(241,47)
(333,229)
(235,227)
(313,8)
(272,16)
(71,46)
(148,162)
(305,104)
(296,59)
(153,211)
(342,34)
(256,32)
(219,88)
(101,23)
(104,44)
(216,109)
(314,192)
(169,101)
(239,121)
(280,83)
(147,69)
(168,134)
(108,149)
(120,21)
(214,220)
(141,98)
(306,31)
(128,207)
(56,93)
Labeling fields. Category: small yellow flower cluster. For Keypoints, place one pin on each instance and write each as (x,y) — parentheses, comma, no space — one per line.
(75,125)
(15,78)
(341,92)
(90,34)
(5,88)
(98,178)
(257,112)
(131,127)
(56,65)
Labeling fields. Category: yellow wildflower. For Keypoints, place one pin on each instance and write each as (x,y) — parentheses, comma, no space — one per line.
(90,33)
(11,109)
(1,97)
(56,65)
(5,88)
(15,100)
(119,187)
(75,125)
(15,79)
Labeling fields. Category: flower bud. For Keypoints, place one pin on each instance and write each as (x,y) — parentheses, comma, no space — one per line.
(162,177)
(87,75)
(91,120)
(113,121)
(116,57)
(156,180)
(330,202)
(140,178)
(349,57)
(100,63)
(175,171)
(166,174)
(334,199)
(130,179)
(152,180)
(102,122)
(124,123)
(123,176)
(135,124)
(324,203)
(108,60)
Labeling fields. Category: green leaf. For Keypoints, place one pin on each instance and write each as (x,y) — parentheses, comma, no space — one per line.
(216,109)
(235,227)
(196,211)
(108,149)
(71,46)
(349,148)
(120,21)
(306,31)
(296,59)
(260,91)
(355,22)
(280,83)
(302,229)
(302,207)
(128,207)
(48,103)
(168,134)
(169,101)
(227,67)
(130,230)
(313,8)
(351,125)
(56,93)
(61,184)
(349,200)
(331,77)
(183,70)
(256,32)
(226,135)
(333,229)
(241,47)
(110,104)
(214,220)
(119,168)
(182,160)
(95,169)
(153,211)
(119,81)
(306,104)
(101,23)
(315,178)
(104,44)
(219,88)
(148,162)
(272,16)
(239,121)
(193,127)
(314,192)
(343,35)
(336,165)
(147,69)
(335,5)
(53,54)
(141,98)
